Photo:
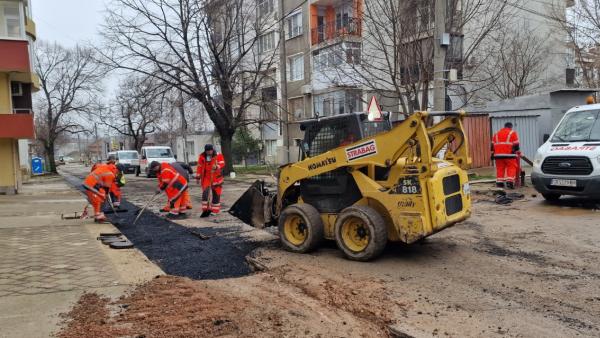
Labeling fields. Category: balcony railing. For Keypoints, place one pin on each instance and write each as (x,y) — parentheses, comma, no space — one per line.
(22,111)
(335,29)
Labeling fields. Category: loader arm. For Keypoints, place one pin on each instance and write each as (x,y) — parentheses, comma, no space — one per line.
(451,133)
(409,139)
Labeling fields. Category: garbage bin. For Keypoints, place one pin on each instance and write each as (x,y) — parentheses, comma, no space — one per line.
(37,167)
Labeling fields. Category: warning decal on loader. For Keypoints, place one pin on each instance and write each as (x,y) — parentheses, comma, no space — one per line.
(361,150)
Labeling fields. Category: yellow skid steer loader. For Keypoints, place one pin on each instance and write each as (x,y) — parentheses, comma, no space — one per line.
(363,183)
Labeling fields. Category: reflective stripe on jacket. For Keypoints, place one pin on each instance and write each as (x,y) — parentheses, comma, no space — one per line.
(100,180)
(505,143)
(205,169)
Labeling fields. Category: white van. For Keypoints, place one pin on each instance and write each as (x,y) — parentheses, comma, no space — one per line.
(154,153)
(130,159)
(569,162)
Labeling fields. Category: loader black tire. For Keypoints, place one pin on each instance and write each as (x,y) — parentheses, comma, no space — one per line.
(300,228)
(361,233)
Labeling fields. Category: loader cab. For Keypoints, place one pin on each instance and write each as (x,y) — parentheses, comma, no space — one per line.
(333,191)
(324,134)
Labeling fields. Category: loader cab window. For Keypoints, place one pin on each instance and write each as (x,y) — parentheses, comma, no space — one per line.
(371,128)
(322,137)
(330,137)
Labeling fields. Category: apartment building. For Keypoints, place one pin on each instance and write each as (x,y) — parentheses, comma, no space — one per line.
(17,83)
(327,41)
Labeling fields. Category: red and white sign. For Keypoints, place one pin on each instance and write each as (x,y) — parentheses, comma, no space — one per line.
(361,150)
(374,110)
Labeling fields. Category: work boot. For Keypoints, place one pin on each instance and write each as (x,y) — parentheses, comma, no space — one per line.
(173,216)
(189,207)
(499,185)
(510,185)
(164,209)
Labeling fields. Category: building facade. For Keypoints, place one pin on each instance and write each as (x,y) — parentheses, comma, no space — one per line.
(326,42)
(17,83)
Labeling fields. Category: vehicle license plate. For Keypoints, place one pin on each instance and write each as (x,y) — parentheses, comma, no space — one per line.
(563,183)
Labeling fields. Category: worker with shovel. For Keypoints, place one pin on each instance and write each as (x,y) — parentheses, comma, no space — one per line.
(174,185)
(98,185)
(210,174)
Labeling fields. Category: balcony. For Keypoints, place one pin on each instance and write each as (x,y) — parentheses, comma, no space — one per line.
(15,56)
(336,29)
(30,28)
(17,126)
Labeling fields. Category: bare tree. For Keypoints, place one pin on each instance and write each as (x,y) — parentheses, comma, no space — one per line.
(137,110)
(581,25)
(70,81)
(517,67)
(396,59)
(218,52)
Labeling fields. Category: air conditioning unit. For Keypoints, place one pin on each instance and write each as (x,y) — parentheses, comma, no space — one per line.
(16,89)
(306,89)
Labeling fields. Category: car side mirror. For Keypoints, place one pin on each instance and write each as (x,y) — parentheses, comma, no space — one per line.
(546,137)
(175,156)
(143,157)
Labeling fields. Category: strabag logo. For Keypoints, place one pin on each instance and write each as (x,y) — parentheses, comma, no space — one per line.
(362,150)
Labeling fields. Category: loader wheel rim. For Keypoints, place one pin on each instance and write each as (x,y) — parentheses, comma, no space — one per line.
(295,230)
(355,234)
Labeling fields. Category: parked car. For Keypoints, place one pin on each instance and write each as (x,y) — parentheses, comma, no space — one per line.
(154,153)
(130,159)
(568,163)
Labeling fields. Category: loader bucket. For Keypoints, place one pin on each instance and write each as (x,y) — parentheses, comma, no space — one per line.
(254,206)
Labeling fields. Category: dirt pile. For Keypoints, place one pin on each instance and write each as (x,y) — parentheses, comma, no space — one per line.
(262,305)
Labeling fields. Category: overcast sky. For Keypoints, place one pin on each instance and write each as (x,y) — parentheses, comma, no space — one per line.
(68,21)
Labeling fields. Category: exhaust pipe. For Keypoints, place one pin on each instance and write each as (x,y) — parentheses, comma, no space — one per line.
(255,206)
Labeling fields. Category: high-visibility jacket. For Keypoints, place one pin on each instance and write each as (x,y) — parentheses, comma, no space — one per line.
(171,181)
(505,143)
(100,180)
(206,171)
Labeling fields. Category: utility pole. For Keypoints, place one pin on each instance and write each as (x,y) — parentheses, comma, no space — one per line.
(283,79)
(439,57)
(183,126)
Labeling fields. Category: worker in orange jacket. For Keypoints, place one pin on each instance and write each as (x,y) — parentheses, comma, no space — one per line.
(97,185)
(115,189)
(210,174)
(505,145)
(174,185)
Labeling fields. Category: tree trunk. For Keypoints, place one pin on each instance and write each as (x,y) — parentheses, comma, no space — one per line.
(49,146)
(226,141)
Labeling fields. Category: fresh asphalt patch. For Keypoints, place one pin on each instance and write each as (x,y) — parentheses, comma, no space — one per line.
(176,250)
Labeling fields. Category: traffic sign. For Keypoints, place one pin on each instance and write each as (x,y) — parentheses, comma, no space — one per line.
(374,110)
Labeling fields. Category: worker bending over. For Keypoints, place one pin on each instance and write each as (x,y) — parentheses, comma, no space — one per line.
(97,185)
(505,145)
(174,185)
(210,173)
(115,190)
(185,170)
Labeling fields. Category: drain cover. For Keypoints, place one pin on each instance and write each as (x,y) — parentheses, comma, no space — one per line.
(121,245)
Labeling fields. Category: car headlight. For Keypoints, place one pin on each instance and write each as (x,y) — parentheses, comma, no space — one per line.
(539,158)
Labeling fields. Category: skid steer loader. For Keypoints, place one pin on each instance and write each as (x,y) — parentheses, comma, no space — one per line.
(363,183)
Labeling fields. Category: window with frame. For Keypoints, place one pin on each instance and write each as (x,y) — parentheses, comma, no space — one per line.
(271,148)
(296,107)
(266,42)
(11,24)
(265,7)
(294,25)
(353,52)
(296,66)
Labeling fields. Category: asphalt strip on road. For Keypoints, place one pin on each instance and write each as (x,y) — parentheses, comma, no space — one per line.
(175,249)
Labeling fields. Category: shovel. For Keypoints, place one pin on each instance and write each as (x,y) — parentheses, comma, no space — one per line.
(208,211)
(144,207)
